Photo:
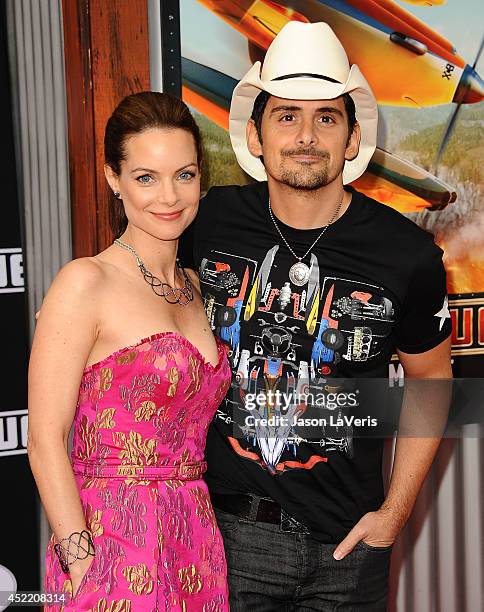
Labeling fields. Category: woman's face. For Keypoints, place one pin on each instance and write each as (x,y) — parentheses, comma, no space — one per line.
(159,182)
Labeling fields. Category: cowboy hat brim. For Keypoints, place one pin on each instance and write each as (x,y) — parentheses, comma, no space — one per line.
(303,88)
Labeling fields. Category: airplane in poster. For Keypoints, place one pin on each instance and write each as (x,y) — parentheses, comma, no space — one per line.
(405,62)
(422,69)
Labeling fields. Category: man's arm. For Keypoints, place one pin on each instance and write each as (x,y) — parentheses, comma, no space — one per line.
(424,414)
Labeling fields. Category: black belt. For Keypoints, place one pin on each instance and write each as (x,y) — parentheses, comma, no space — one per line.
(253,508)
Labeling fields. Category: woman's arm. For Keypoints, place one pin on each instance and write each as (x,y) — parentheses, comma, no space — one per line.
(66,332)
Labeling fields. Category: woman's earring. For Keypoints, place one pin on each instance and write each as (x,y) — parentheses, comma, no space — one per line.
(116,194)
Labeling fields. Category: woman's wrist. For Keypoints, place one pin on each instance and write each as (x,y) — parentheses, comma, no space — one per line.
(77,546)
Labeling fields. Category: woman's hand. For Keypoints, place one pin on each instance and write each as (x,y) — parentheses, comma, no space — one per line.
(77,571)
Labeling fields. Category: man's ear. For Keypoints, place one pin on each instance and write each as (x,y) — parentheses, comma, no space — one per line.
(353,145)
(253,142)
(111,177)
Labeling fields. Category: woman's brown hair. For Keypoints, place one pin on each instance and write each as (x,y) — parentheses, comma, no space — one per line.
(133,115)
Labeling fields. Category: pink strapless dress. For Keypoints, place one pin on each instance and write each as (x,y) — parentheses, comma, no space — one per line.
(138,459)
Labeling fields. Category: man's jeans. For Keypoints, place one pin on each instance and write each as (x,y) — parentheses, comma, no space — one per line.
(273,571)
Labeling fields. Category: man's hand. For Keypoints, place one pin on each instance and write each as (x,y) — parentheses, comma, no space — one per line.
(377,529)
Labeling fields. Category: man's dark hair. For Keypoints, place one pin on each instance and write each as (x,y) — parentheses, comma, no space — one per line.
(260,104)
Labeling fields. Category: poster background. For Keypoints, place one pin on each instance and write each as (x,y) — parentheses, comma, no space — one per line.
(412,133)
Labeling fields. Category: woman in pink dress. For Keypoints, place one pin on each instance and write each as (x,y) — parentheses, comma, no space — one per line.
(124,353)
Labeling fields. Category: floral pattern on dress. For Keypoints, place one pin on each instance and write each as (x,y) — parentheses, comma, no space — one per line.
(138,458)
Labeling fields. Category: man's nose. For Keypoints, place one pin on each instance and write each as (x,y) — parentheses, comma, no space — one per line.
(307,133)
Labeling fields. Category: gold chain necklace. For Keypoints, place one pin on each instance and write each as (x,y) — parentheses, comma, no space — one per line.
(173,295)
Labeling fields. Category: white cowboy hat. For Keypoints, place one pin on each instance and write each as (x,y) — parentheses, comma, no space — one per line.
(305,61)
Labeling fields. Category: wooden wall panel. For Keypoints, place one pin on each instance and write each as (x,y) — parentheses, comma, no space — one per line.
(107,58)
(80,125)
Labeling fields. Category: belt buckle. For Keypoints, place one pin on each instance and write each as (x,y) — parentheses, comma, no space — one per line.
(189,471)
(290,525)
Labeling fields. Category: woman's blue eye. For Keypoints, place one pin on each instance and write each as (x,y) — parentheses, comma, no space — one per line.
(186,176)
(145,179)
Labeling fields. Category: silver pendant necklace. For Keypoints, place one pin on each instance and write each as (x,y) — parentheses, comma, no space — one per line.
(173,295)
(299,272)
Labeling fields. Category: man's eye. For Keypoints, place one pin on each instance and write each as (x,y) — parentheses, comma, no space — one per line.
(326,119)
(186,176)
(145,179)
(287,117)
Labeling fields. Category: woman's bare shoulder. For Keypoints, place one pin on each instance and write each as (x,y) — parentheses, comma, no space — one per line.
(70,311)
(80,275)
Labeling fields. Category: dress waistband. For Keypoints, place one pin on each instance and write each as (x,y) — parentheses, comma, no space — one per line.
(182,471)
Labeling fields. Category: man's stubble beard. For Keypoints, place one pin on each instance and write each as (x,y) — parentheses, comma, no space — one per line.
(307,179)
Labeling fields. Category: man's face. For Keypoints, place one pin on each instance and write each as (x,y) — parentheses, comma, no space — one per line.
(304,142)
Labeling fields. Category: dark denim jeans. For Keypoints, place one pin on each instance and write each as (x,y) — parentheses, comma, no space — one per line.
(273,571)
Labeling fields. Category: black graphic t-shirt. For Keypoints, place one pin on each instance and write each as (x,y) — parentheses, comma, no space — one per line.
(374,282)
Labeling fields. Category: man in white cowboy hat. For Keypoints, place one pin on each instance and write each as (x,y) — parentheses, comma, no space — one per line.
(309,282)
